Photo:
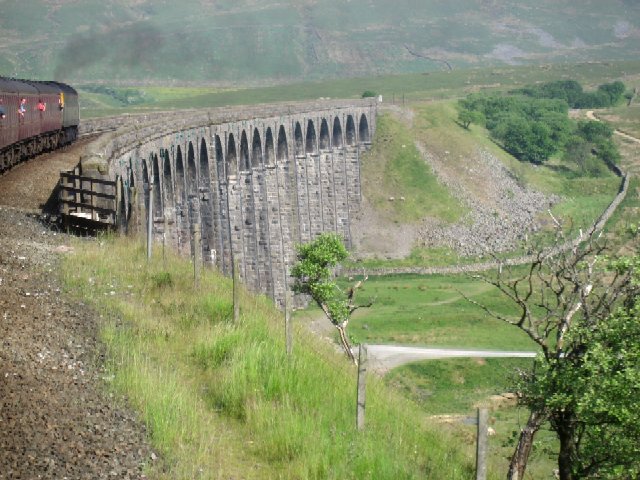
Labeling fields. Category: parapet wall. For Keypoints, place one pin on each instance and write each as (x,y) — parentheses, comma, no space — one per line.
(257,180)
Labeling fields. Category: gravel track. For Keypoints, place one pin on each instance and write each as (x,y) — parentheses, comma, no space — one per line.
(57,419)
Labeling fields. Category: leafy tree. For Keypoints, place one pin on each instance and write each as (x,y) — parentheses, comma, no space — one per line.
(568,90)
(583,313)
(313,274)
(614,91)
(526,140)
(599,137)
(369,93)
(467,117)
(581,152)
(594,131)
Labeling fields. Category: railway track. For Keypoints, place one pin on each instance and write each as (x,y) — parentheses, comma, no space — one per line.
(32,185)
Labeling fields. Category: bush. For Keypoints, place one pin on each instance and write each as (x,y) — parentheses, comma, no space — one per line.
(369,93)
(570,91)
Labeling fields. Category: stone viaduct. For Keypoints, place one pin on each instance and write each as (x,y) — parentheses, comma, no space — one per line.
(258,181)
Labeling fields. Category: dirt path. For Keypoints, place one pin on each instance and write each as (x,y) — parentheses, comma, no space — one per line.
(620,133)
(57,420)
(385,357)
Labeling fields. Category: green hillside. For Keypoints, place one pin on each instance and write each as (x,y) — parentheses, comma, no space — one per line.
(247,42)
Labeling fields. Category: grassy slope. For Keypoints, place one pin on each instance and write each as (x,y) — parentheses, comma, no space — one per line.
(395,168)
(453,389)
(223,400)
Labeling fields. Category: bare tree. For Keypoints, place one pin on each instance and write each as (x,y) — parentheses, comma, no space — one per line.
(562,296)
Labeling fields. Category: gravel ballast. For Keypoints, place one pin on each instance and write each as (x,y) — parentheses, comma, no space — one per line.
(57,417)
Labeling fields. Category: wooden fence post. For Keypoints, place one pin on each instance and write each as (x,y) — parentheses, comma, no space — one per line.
(481,452)
(236,291)
(197,253)
(288,334)
(150,221)
(164,240)
(362,386)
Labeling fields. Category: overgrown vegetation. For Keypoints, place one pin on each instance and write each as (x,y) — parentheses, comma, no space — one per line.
(533,125)
(222,399)
(592,148)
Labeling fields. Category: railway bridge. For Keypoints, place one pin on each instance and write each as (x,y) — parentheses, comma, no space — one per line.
(256,181)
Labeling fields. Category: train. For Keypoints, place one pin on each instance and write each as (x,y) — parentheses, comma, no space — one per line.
(35,117)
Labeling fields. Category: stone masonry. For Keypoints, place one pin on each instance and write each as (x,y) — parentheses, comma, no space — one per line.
(258,180)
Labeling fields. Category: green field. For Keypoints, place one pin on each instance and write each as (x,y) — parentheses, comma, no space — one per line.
(431,311)
(395,89)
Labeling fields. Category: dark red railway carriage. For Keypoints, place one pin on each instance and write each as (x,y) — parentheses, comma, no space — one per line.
(38,116)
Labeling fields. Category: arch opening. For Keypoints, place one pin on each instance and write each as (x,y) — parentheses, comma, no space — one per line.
(206,204)
(337,133)
(121,220)
(256,149)
(325,141)
(245,162)
(350,131)
(283,148)
(157,193)
(269,155)
(192,172)
(311,144)
(167,184)
(232,157)
(132,185)
(204,164)
(219,158)
(180,177)
(145,174)
(363,129)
